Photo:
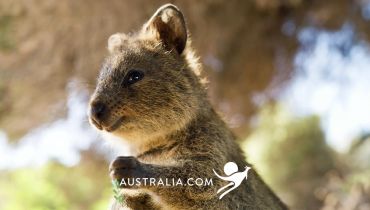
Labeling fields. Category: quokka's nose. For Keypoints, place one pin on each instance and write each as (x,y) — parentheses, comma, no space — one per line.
(98,111)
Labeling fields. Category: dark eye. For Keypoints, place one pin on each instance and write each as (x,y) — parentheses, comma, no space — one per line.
(132,77)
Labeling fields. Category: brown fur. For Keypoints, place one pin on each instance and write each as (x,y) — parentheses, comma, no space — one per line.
(169,123)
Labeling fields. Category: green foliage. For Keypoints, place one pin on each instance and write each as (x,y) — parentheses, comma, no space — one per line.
(52,187)
(29,189)
(116,191)
(290,153)
(5,41)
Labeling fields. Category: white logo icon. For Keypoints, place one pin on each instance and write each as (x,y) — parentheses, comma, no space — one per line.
(234,177)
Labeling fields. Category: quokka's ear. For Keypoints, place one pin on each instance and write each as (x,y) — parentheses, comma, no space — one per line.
(116,41)
(168,26)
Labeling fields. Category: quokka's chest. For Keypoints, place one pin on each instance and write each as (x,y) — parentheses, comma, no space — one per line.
(165,158)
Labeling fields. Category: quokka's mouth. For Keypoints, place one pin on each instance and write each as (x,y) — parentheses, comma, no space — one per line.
(115,125)
(96,124)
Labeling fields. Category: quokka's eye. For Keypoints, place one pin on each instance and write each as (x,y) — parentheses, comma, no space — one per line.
(132,77)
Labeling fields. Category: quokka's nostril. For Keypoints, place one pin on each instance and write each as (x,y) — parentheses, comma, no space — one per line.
(98,111)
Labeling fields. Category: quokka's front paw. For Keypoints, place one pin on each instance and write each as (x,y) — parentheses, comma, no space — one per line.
(126,168)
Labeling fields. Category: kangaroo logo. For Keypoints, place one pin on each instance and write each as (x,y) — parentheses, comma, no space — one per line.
(233,176)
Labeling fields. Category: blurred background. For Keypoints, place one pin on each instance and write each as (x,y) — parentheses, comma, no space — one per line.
(291,78)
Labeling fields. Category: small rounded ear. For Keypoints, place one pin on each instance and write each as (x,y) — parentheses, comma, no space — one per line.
(116,41)
(168,26)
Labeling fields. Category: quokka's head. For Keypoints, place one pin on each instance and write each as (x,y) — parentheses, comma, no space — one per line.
(148,84)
